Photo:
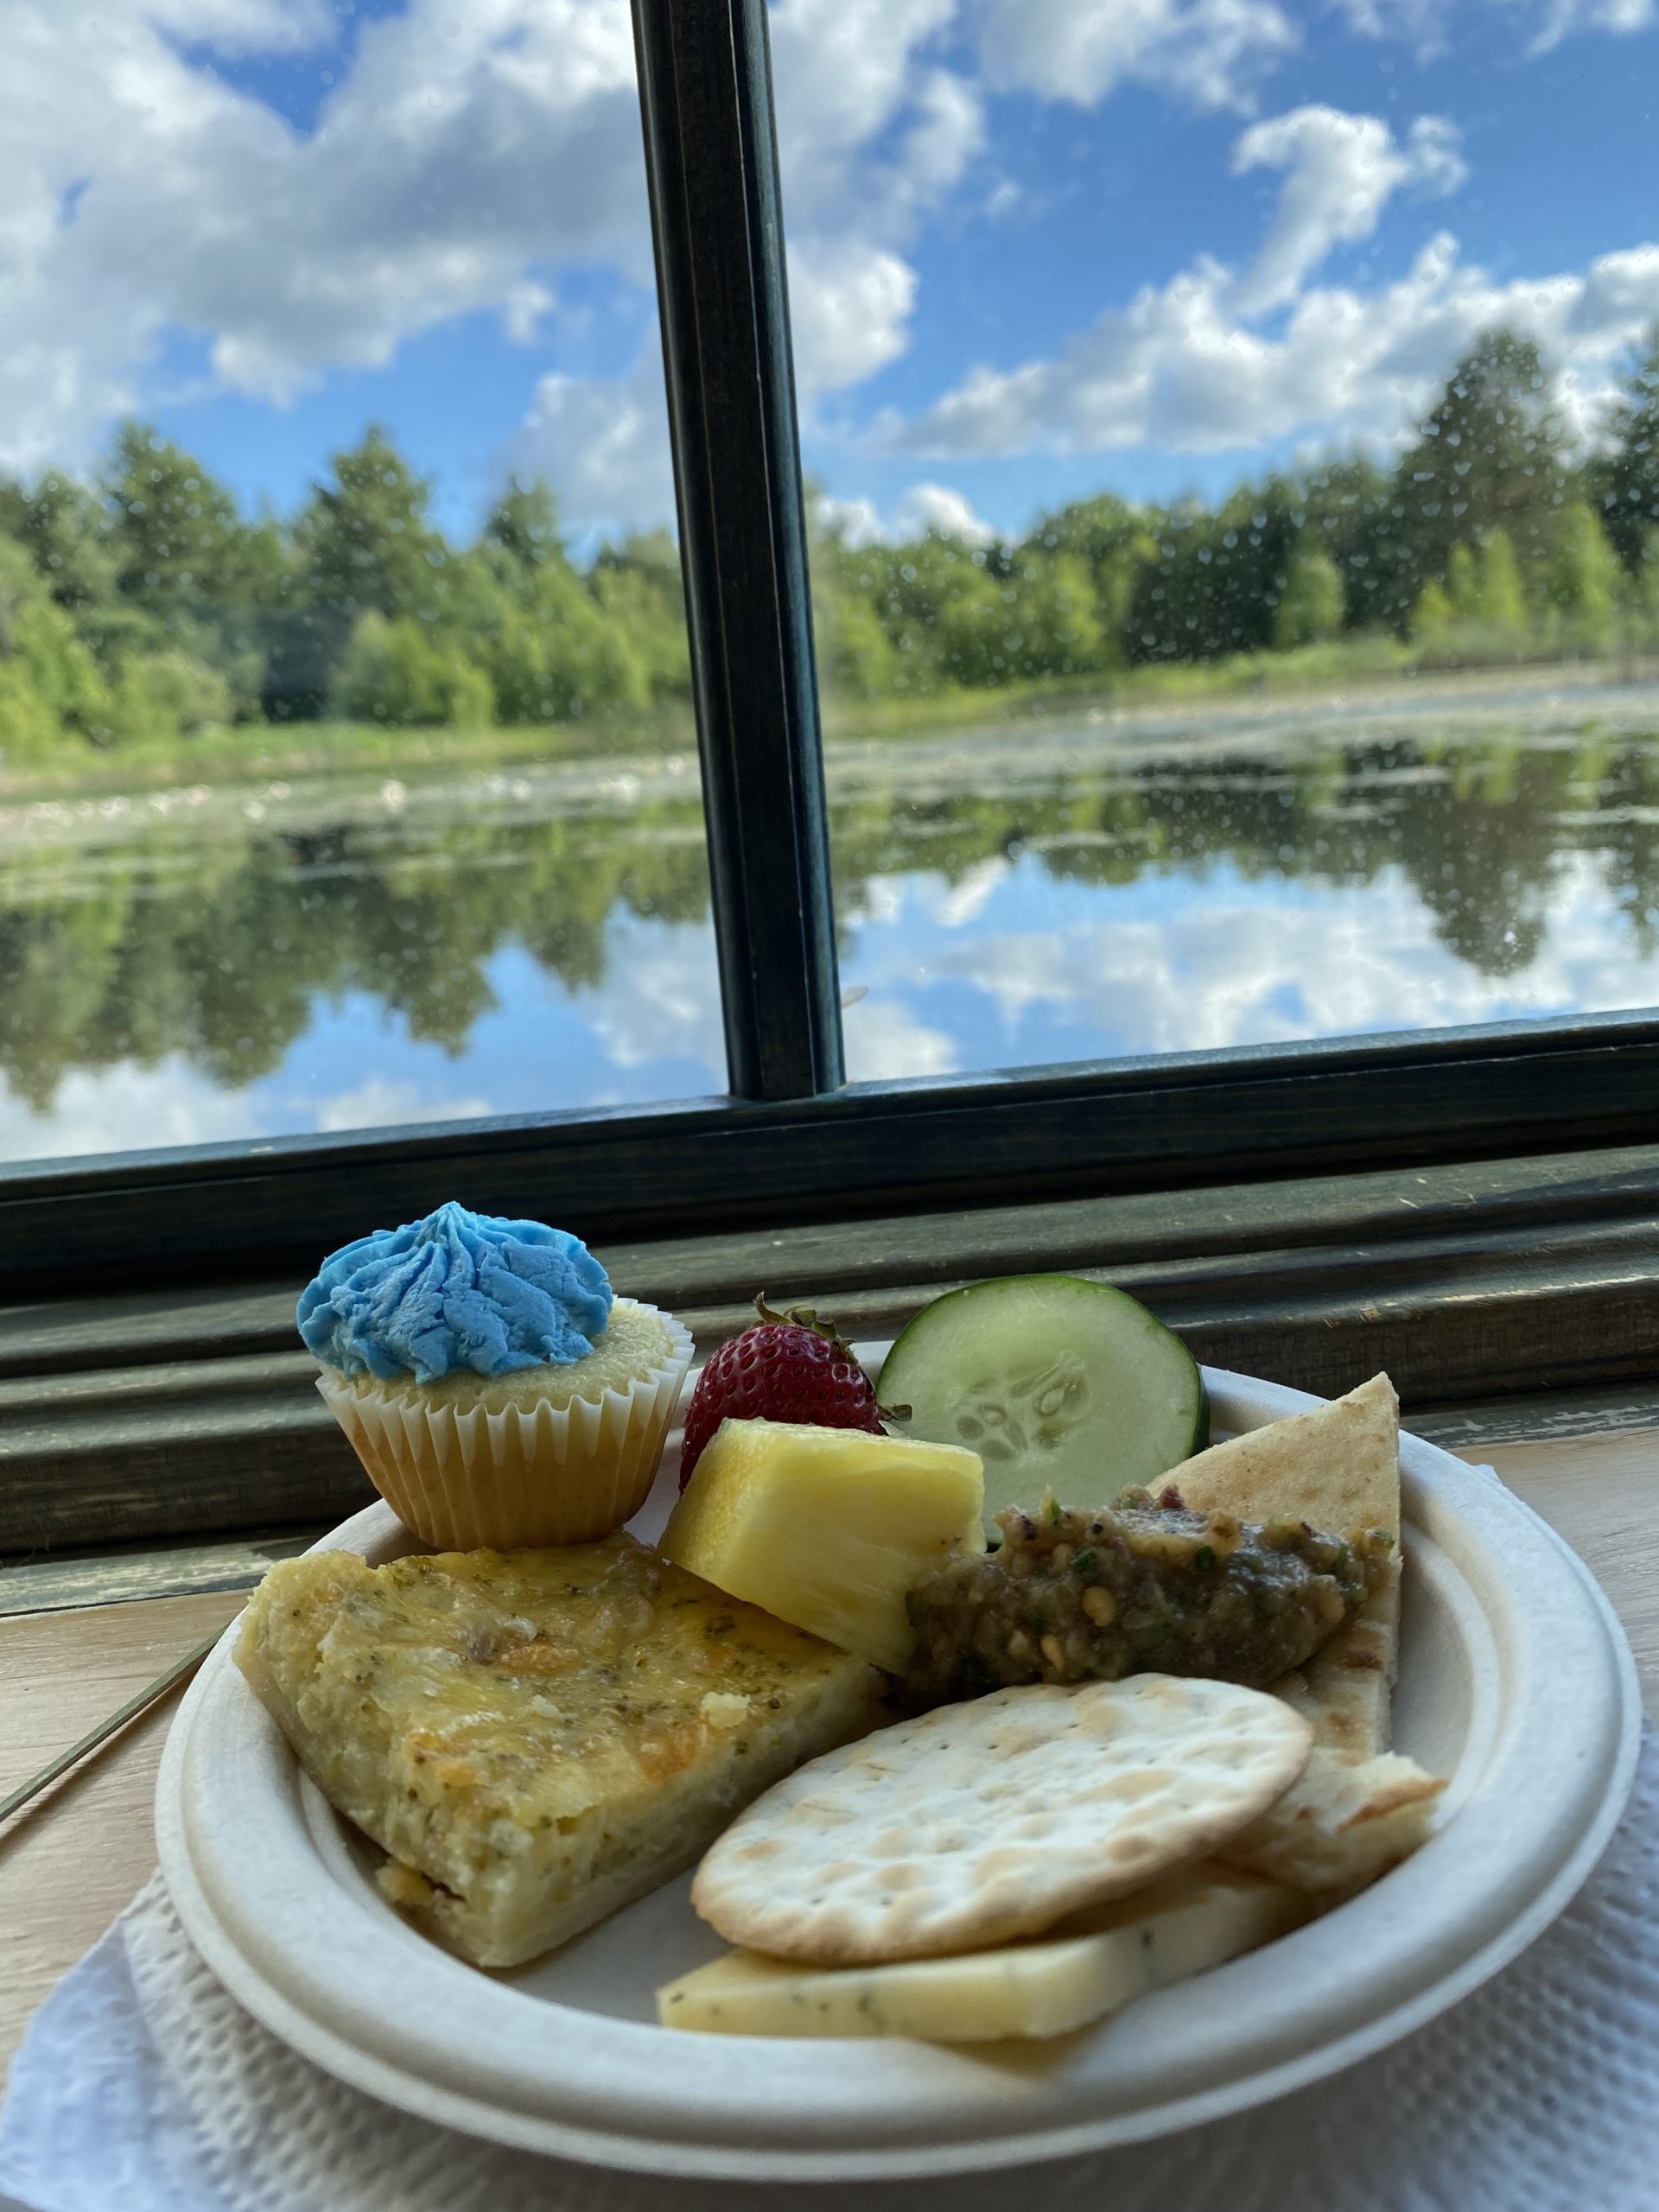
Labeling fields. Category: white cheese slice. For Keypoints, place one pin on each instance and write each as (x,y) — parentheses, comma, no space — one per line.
(1095,1964)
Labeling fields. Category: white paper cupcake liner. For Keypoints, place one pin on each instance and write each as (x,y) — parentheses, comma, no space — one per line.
(520,1477)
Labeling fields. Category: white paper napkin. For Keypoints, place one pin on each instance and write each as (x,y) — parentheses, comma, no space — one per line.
(142,2087)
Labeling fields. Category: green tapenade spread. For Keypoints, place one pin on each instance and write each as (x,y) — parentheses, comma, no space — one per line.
(1140,1587)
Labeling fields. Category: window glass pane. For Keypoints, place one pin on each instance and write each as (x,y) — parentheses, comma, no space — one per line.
(348,769)
(1236,440)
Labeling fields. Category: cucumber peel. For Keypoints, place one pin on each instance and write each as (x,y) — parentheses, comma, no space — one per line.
(1058,1383)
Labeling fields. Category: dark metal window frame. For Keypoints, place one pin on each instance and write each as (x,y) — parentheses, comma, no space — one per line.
(792,1141)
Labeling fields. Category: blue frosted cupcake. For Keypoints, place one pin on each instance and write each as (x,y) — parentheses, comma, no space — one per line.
(497,1392)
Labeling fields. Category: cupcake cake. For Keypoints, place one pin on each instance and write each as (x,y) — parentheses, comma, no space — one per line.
(499,1393)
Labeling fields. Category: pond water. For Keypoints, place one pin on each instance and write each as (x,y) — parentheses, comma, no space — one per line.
(274,957)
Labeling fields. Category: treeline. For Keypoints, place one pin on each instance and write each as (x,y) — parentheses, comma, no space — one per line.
(1485,542)
(146,606)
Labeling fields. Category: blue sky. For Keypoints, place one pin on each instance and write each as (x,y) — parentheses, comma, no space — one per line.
(1038,247)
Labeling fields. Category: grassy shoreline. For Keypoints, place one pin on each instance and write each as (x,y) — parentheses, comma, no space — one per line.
(1371,670)
(248,751)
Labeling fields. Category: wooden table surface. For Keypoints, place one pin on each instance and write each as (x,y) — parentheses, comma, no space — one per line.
(72,1858)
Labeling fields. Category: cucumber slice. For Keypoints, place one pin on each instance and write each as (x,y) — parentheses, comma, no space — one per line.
(1058,1383)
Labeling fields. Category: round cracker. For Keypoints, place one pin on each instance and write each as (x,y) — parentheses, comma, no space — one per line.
(983,1821)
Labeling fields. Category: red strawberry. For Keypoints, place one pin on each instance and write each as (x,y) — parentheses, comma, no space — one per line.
(791,1367)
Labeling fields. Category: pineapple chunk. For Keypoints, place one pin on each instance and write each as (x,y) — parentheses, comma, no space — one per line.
(827,1527)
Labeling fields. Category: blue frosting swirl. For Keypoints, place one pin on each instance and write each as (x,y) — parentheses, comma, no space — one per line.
(457,1290)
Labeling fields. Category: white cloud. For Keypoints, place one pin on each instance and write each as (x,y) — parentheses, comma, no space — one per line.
(1417,21)
(1233,964)
(380,1103)
(1559,18)
(953,905)
(884,1041)
(1189,366)
(849,74)
(1545,23)
(120,1108)
(857,521)
(238,26)
(473,149)
(948,130)
(660,998)
(872,135)
(471,141)
(603,441)
(849,304)
(845,71)
(525,308)
(126,1106)
(936,507)
(1342,170)
(923,507)
(1212,52)
(1225,970)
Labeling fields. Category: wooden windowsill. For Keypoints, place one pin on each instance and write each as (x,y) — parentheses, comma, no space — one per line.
(159,1419)
(72,1859)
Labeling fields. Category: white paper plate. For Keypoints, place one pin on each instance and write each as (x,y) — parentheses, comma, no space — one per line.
(1516,1681)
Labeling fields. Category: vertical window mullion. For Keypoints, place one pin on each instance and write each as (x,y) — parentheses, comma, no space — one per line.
(711,165)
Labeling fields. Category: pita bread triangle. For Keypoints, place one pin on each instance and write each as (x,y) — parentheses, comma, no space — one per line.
(1338,1468)
(1357,1809)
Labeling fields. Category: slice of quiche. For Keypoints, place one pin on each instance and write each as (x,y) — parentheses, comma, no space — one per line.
(537,1738)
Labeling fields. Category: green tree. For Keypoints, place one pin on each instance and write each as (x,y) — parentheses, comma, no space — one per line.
(1499,598)
(29,720)
(1257,533)
(67,531)
(1112,537)
(1115,580)
(28,726)
(855,655)
(523,527)
(1215,584)
(1053,626)
(558,657)
(966,614)
(1355,513)
(363,542)
(1640,598)
(366,543)
(1630,475)
(637,583)
(176,534)
(554,651)
(1170,615)
(1480,614)
(1463,583)
(395,672)
(949,612)
(1433,615)
(1095,530)
(203,580)
(169,694)
(52,682)
(1310,606)
(1584,580)
(1489,459)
